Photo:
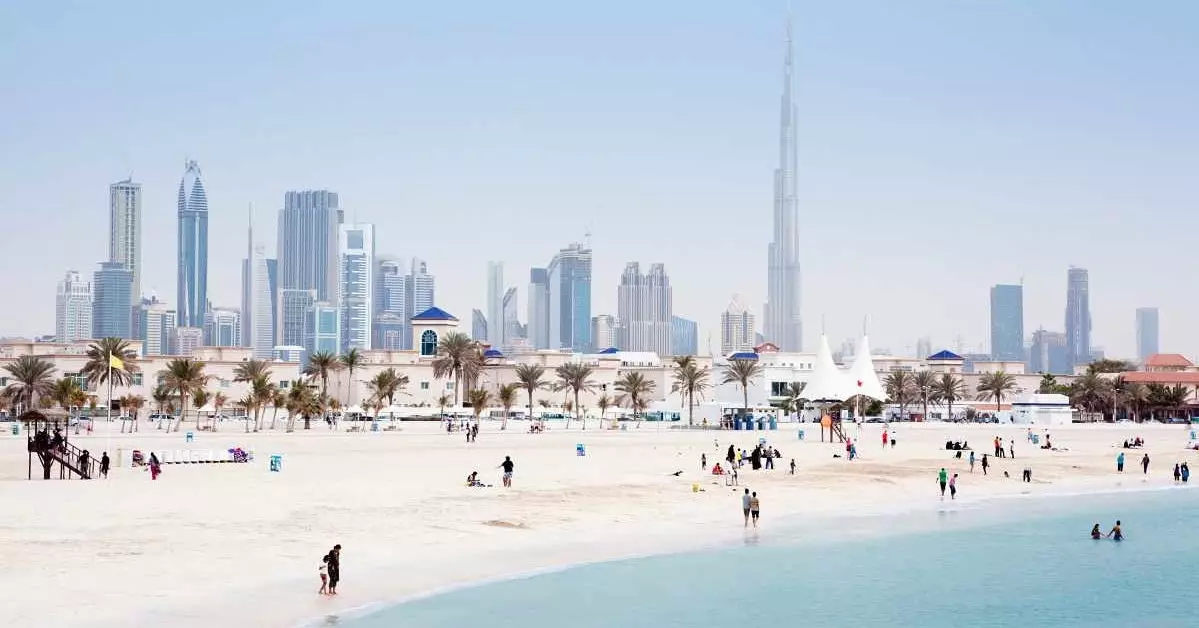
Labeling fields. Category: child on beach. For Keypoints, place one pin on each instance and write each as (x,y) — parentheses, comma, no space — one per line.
(972,461)
(953,486)
(324,572)
(754,508)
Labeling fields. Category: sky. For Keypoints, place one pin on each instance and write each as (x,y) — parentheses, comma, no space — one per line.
(944,146)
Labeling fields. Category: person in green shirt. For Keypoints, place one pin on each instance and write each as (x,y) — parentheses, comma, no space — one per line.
(943,479)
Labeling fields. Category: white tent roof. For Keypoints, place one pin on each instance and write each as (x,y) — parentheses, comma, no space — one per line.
(827,383)
(862,377)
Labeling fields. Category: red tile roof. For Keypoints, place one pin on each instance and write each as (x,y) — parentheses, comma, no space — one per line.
(1168,360)
(1189,378)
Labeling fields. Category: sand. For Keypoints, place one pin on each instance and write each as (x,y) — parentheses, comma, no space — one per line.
(209,544)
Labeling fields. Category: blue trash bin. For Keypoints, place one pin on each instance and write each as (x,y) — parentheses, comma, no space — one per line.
(189,437)
(276,463)
(800,434)
(374,426)
(774,423)
(16,428)
(737,423)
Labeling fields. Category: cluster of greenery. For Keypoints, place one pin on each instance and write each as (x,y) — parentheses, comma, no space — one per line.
(1115,397)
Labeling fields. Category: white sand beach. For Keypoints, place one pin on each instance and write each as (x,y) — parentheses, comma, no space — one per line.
(209,544)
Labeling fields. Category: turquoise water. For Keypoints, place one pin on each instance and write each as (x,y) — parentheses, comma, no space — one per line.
(1010,563)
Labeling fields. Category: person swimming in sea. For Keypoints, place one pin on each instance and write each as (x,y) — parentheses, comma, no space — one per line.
(1116,534)
(1095,533)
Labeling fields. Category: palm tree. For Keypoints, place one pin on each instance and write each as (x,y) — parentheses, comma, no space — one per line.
(634,387)
(457,355)
(200,398)
(352,360)
(386,384)
(162,397)
(603,403)
(507,399)
(531,378)
(689,381)
(278,400)
(249,370)
(32,377)
(302,400)
(996,386)
(65,392)
(795,396)
(250,403)
(135,404)
(1136,396)
(263,392)
(742,373)
(922,385)
(1090,391)
(901,388)
(950,388)
(575,377)
(478,398)
(184,376)
(319,365)
(442,402)
(1048,384)
(218,403)
(1110,366)
(97,368)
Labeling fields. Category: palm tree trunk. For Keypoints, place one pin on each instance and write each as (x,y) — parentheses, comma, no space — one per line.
(691,409)
(745,400)
(579,411)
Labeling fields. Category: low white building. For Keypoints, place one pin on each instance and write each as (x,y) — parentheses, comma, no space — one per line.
(1041,409)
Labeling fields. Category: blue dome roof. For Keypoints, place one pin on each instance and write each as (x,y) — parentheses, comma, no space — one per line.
(493,353)
(609,351)
(945,355)
(744,355)
(434,314)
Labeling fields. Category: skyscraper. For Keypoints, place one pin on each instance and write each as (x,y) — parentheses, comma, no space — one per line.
(737,328)
(112,301)
(1147,333)
(391,290)
(356,286)
(1007,322)
(685,340)
(478,325)
(193,248)
(73,309)
(539,308)
(1049,353)
(569,281)
(512,327)
(644,307)
(388,330)
(322,328)
(784,326)
(222,328)
(307,244)
(185,340)
(495,303)
(292,315)
(153,322)
(257,299)
(603,332)
(125,229)
(1078,316)
(421,292)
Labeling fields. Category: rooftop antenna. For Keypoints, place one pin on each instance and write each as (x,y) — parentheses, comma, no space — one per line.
(587,237)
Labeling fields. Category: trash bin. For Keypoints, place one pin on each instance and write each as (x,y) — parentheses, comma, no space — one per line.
(276,463)
(800,434)
(1036,438)
(580,450)
(16,429)
(374,426)
(189,436)
(774,423)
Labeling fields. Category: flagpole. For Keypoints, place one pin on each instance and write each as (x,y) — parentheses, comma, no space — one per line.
(108,428)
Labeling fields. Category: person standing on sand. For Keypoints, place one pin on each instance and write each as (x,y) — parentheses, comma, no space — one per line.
(155,466)
(104,464)
(323,570)
(1186,473)
(1012,447)
(793,466)
(732,456)
(972,461)
(334,568)
(1120,463)
(953,486)
(1177,473)
(1145,464)
(703,462)
(745,500)
(755,508)
(884,438)
(508,466)
(942,479)
(985,464)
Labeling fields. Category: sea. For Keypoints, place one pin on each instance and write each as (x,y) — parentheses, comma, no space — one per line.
(1006,562)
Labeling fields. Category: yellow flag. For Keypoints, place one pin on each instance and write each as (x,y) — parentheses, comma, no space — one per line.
(115,362)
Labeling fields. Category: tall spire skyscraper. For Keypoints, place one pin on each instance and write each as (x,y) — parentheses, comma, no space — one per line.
(784,326)
(193,248)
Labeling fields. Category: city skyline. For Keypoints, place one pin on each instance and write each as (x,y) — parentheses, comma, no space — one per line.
(901,185)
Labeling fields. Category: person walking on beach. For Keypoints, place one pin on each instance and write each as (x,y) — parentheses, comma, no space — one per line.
(731,457)
(1177,473)
(793,466)
(972,461)
(703,462)
(155,466)
(1120,462)
(985,464)
(323,570)
(1012,448)
(1145,464)
(104,464)
(1186,473)
(745,500)
(953,486)
(334,569)
(508,466)
(943,480)
(755,508)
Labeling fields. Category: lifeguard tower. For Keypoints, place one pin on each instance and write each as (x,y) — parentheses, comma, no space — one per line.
(47,436)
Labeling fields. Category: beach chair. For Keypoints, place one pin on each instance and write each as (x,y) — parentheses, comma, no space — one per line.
(166,457)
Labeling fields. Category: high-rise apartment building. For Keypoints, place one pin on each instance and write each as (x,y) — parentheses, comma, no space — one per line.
(539,309)
(784,325)
(1147,333)
(185,340)
(644,307)
(737,328)
(222,328)
(924,347)
(1007,322)
(356,287)
(389,332)
(1049,353)
(478,325)
(307,242)
(421,294)
(603,332)
(569,280)
(513,330)
(112,301)
(125,229)
(153,322)
(685,340)
(391,288)
(258,297)
(292,316)
(1078,316)
(322,328)
(193,248)
(73,309)
(495,303)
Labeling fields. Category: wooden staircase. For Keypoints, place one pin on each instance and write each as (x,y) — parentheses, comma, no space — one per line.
(71,463)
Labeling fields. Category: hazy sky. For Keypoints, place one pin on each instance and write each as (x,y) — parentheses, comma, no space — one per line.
(944,146)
